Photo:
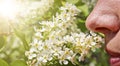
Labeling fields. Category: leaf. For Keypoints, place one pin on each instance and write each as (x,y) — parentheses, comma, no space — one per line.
(84,9)
(72,1)
(3,63)
(18,63)
(21,36)
(2,41)
(82,27)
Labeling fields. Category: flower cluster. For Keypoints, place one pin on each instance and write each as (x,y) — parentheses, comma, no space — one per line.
(61,39)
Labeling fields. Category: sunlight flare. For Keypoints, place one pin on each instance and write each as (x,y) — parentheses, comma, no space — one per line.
(9,8)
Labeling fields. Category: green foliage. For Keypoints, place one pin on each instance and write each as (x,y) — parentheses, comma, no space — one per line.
(2,41)
(84,9)
(3,63)
(22,38)
(72,1)
(18,63)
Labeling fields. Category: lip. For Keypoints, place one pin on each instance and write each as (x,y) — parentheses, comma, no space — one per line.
(114,61)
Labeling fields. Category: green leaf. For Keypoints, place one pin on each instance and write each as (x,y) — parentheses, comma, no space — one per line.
(84,9)
(72,1)
(82,27)
(3,63)
(21,35)
(18,63)
(2,41)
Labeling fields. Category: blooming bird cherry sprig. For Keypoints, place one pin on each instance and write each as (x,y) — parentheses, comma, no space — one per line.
(60,38)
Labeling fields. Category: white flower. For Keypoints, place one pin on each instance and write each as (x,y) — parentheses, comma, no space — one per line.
(65,62)
(93,43)
(40,59)
(68,38)
(30,55)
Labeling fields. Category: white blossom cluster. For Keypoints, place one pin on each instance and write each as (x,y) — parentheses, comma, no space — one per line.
(61,39)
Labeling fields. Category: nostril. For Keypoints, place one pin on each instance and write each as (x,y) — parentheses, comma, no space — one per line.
(102,30)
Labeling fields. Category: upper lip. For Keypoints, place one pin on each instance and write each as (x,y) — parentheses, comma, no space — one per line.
(108,37)
(112,54)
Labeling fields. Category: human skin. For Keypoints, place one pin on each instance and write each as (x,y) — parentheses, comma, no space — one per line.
(105,18)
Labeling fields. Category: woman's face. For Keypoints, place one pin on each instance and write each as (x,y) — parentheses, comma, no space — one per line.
(105,18)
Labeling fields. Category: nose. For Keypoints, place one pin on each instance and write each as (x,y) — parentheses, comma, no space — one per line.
(107,22)
(100,21)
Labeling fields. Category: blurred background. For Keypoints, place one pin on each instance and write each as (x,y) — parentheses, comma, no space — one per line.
(17,21)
